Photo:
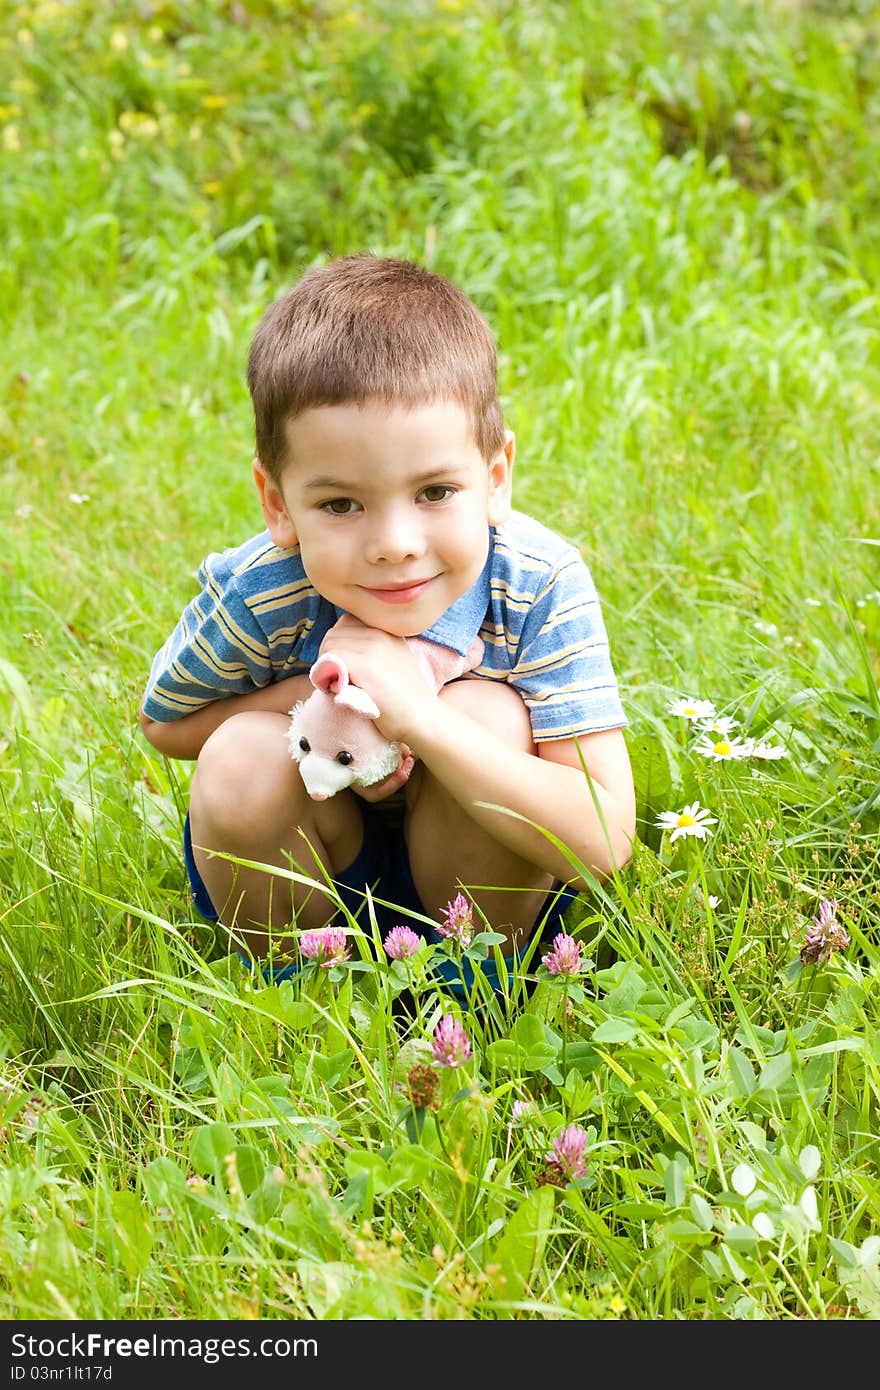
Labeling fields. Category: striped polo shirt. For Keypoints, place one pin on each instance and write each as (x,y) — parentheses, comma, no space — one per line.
(258,619)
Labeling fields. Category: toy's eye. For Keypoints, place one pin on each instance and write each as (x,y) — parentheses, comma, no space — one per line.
(345,758)
(304,745)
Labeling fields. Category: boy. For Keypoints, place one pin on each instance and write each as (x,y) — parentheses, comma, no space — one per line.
(383,470)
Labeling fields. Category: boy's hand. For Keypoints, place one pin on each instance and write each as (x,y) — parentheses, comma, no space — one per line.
(388,671)
(378,791)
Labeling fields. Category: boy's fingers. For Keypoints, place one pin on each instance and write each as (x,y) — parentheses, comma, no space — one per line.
(379,790)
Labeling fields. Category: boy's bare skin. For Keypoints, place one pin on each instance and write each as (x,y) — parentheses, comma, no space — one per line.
(391,508)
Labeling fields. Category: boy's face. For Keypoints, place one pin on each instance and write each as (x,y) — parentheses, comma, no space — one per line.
(390,508)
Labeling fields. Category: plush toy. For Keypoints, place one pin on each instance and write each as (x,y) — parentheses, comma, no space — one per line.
(333,734)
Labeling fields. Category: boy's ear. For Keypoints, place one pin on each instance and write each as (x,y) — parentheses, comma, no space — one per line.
(501,481)
(281,528)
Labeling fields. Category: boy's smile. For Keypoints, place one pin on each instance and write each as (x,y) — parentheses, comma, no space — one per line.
(390,508)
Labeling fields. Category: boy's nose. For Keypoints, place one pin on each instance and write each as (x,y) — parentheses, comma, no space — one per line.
(393,539)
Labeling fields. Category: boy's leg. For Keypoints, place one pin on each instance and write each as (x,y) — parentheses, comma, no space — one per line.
(447,849)
(247,798)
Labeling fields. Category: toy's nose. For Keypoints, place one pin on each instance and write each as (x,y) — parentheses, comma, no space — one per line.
(318,796)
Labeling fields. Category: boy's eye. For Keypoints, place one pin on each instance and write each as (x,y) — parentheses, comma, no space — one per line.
(339,506)
(437,492)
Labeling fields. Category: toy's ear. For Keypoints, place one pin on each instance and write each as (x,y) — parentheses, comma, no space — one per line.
(354,698)
(329,674)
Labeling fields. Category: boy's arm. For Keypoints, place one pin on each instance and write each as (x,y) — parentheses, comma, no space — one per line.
(184,737)
(593,816)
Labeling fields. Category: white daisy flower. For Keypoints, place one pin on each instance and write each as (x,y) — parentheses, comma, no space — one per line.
(771,751)
(721,724)
(713,901)
(692,708)
(691,820)
(721,748)
(78,498)
(768,629)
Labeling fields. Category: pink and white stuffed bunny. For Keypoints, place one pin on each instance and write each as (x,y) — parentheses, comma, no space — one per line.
(333,734)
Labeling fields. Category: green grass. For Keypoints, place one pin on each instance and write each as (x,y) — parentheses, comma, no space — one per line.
(668,213)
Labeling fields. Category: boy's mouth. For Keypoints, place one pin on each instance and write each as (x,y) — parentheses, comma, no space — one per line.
(399,593)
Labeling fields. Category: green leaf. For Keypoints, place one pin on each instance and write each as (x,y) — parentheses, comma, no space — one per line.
(132,1233)
(369,1162)
(521,1249)
(698,1032)
(332,1069)
(743,1179)
(629,987)
(846,1255)
(754,1134)
(209,1148)
(528,1031)
(299,1014)
(653,783)
(674,1181)
(250,1167)
(678,1013)
(52,1256)
(640,1211)
(530,1047)
(615,1030)
(682,1229)
(701,1212)
(742,1073)
(410,1166)
(742,1238)
(776,1072)
(22,698)
(265,1200)
(809,1161)
(163,1183)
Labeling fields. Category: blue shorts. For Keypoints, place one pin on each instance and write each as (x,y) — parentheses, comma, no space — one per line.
(382,863)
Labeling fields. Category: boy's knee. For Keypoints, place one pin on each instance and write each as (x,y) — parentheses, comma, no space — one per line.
(244,772)
(495,705)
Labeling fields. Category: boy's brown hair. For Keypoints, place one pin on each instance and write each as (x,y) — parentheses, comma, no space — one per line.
(367,327)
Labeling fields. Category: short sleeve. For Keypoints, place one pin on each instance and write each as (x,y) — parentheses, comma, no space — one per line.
(217,649)
(563,667)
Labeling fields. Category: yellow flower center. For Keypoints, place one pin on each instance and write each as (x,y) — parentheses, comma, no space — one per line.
(685,819)
(722,748)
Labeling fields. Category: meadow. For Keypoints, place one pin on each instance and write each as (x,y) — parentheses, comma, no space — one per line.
(668,210)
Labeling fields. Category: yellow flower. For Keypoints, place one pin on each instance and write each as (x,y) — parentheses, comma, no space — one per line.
(215,102)
(212,188)
(11,139)
(138,123)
